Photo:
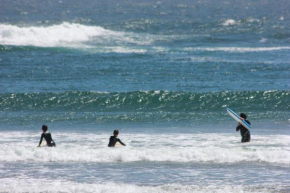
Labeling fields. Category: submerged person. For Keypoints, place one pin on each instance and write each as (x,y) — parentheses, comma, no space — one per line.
(114,139)
(47,136)
(245,133)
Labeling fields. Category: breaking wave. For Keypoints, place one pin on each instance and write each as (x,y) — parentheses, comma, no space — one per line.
(145,100)
(66,35)
(175,148)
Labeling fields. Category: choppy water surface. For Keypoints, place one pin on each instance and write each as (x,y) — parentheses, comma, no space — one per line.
(163,73)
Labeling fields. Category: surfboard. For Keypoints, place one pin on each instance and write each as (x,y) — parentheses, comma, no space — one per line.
(238,119)
(118,144)
(43,143)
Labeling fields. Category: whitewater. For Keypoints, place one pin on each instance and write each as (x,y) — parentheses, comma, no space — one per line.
(74,35)
(211,160)
(176,148)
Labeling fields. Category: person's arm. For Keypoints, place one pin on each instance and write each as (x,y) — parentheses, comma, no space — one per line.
(41,137)
(238,127)
(121,142)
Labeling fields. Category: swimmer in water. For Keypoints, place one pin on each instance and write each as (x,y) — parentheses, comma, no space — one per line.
(47,136)
(114,139)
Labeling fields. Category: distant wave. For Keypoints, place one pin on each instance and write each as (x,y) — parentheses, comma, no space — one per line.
(56,35)
(65,35)
(145,101)
(100,40)
(229,22)
(141,107)
(238,49)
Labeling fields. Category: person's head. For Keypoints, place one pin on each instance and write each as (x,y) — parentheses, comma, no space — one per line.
(243,115)
(116,132)
(44,128)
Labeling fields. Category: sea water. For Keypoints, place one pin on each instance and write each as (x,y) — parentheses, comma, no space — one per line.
(163,74)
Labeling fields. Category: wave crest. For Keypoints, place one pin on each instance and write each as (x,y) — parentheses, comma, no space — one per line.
(66,35)
(145,101)
(56,35)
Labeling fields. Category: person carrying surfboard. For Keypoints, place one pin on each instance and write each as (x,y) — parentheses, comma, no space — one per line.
(245,133)
(47,136)
(114,139)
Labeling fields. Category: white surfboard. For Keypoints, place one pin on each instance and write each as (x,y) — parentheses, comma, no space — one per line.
(118,144)
(43,143)
(238,119)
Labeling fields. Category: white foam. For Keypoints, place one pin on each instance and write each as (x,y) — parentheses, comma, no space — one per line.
(68,35)
(50,36)
(217,148)
(229,22)
(17,185)
(263,40)
(251,20)
(121,49)
(240,60)
(237,49)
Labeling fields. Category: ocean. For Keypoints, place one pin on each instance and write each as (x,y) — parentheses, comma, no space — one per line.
(163,74)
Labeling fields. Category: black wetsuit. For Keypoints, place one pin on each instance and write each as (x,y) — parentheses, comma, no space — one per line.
(113,141)
(245,133)
(48,139)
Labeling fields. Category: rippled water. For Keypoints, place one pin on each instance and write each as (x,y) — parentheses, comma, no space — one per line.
(163,73)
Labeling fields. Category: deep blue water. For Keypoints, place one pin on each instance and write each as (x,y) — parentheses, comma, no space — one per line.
(163,73)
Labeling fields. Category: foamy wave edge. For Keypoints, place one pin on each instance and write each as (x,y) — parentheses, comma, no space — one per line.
(71,35)
(131,154)
(49,36)
(237,49)
(38,185)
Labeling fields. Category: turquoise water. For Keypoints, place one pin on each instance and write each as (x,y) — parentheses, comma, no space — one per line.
(163,73)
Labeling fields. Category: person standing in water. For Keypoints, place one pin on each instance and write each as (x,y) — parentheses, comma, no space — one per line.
(245,133)
(47,136)
(114,139)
